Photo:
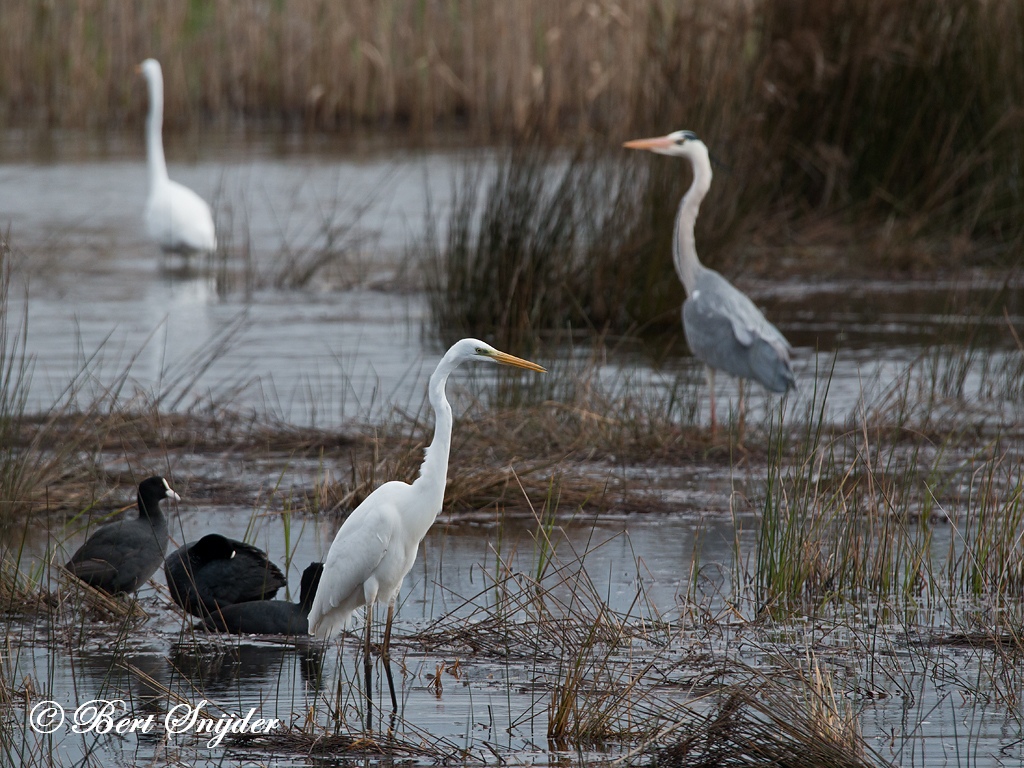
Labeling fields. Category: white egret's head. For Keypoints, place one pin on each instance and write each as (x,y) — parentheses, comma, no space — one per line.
(474,349)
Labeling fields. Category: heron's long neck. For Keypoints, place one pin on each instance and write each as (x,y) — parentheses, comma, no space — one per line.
(434,470)
(154,124)
(684,245)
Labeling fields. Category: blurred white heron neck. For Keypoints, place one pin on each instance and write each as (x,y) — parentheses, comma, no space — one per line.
(154,126)
(684,244)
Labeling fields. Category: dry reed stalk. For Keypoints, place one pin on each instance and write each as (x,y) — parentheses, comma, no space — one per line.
(18,594)
(757,727)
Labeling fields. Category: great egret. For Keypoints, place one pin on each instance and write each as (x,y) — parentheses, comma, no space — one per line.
(376,545)
(120,556)
(177,218)
(722,325)
(270,617)
(217,571)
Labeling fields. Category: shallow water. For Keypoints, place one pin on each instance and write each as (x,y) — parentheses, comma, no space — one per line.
(99,297)
(96,296)
(911,699)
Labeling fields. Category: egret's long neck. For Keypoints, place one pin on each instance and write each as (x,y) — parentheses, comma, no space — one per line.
(684,245)
(154,124)
(434,470)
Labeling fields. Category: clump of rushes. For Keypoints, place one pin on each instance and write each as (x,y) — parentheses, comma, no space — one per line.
(854,510)
(766,724)
(549,243)
(835,520)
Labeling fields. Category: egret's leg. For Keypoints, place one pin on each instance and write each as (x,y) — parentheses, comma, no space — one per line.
(385,656)
(711,394)
(368,669)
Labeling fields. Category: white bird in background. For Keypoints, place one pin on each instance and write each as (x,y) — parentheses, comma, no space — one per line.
(376,545)
(722,326)
(176,217)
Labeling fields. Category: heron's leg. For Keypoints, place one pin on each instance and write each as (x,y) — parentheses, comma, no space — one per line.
(368,669)
(711,394)
(385,656)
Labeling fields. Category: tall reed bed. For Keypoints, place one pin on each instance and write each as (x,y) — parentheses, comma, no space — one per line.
(394,62)
(911,107)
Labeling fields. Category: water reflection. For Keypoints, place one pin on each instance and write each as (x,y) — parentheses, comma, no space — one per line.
(221,669)
(137,678)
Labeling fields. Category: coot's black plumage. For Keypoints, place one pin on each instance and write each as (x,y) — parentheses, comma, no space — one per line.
(120,556)
(217,571)
(270,617)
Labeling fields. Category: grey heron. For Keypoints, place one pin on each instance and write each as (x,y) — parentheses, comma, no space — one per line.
(722,326)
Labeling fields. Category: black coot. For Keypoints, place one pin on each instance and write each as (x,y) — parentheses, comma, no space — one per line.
(270,617)
(120,556)
(218,571)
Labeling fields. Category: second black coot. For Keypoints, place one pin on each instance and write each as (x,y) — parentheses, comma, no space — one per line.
(217,571)
(120,556)
(270,617)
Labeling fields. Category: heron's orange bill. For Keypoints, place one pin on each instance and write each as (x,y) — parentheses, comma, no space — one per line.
(518,362)
(659,142)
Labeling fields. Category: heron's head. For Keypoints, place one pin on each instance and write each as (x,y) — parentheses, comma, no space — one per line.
(474,349)
(677,144)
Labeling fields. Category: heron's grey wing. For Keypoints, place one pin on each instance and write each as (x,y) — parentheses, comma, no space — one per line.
(771,366)
(729,333)
(749,323)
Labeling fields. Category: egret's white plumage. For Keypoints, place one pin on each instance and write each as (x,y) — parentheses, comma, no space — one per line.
(723,327)
(376,546)
(177,218)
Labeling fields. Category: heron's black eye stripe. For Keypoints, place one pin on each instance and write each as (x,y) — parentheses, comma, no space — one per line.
(680,142)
